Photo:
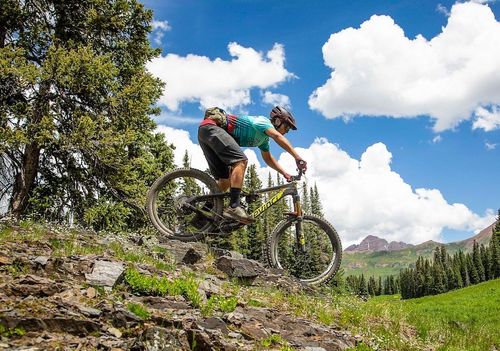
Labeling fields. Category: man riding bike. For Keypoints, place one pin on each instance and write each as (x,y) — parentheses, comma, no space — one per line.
(220,136)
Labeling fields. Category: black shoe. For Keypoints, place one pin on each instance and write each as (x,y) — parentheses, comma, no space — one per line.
(238,214)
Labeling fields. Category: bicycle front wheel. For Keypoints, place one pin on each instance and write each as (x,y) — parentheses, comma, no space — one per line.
(322,254)
(173,207)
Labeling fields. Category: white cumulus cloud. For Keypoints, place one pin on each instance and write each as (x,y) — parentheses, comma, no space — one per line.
(158,31)
(487,120)
(361,197)
(378,71)
(274,99)
(218,82)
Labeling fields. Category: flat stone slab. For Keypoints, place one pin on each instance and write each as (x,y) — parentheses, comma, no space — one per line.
(239,268)
(105,273)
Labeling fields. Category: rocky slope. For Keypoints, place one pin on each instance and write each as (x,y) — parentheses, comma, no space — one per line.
(68,289)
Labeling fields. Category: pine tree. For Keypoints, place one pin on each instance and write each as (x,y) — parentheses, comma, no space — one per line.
(495,249)
(75,103)
(372,286)
(363,289)
(478,264)
(486,260)
(189,186)
(388,286)
(464,271)
(305,199)
(316,206)
(472,270)
(254,232)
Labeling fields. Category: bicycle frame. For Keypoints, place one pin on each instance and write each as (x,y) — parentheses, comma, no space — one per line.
(286,190)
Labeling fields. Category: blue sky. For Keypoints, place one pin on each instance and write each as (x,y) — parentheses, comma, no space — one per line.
(396,99)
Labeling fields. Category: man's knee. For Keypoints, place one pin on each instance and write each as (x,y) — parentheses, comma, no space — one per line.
(241,163)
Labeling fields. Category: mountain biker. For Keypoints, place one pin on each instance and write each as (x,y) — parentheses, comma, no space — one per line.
(221,136)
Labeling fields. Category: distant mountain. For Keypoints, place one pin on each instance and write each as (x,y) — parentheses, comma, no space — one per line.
(375,256)
(373,243)
(483,237)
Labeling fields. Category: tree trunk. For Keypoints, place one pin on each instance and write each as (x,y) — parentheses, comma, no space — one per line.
(25,179)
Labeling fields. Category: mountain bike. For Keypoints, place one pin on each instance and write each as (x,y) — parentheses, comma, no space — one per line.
(186,204)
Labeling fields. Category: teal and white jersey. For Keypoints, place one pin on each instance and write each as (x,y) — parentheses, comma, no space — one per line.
(250,130)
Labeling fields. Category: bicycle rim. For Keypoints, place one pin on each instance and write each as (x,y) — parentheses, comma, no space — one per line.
(323,251)
(171,207)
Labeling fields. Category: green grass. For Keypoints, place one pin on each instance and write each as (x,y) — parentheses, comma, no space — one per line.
(219,303)
(458,315)
(140,256)
(139,310)
(11,332)
(142,284)
(440,322)
(465,319)
(274,340)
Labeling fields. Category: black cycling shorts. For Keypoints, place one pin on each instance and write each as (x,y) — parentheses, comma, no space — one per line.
(220,150)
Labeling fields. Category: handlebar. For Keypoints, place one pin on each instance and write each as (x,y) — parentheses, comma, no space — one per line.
(297,177)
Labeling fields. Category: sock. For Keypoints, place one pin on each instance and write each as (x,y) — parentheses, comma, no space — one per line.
(234,196)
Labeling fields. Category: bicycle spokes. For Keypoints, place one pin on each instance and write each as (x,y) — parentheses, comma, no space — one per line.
(305,250)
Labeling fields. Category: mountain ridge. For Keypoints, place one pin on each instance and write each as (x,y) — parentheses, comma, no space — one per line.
(384,262)
(373,243)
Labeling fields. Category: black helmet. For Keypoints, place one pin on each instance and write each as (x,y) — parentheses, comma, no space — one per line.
(282,114)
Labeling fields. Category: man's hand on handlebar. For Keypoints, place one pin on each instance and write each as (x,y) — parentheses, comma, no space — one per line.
(301,165)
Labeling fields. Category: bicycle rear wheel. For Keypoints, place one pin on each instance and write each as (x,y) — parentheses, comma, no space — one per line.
(320,260)
(172,206)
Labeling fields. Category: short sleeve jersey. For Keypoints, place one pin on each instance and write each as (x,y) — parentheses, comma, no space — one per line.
(250,130)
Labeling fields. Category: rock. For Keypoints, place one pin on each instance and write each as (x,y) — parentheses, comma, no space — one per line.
(314,348)
(254,330)
(239,268)
(179,250)
(89,311)
(91,292)
(234,335)
(192,256)
(105,273)
(5,261)
(209,287)
(80,327)
(41,260)
(218,252)
(213,323)
(33,285)
(115,332)
(122,318)
(163,303)
(199,340)
(161,339)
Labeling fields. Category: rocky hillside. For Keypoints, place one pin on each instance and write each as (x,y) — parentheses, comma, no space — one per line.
(70,289)
(373,243)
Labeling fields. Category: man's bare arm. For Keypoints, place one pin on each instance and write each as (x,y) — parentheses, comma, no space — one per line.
(283,142)
(271,162)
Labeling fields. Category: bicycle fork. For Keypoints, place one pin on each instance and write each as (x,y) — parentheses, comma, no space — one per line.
(299,234)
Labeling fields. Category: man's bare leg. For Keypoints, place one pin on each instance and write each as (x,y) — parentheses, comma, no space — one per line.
(235,211)
(224,184)
(238,174)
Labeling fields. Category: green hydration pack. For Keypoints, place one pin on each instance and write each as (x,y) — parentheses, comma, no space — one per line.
(217,115)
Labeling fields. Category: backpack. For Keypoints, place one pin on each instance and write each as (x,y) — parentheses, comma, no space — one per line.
(217,115)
